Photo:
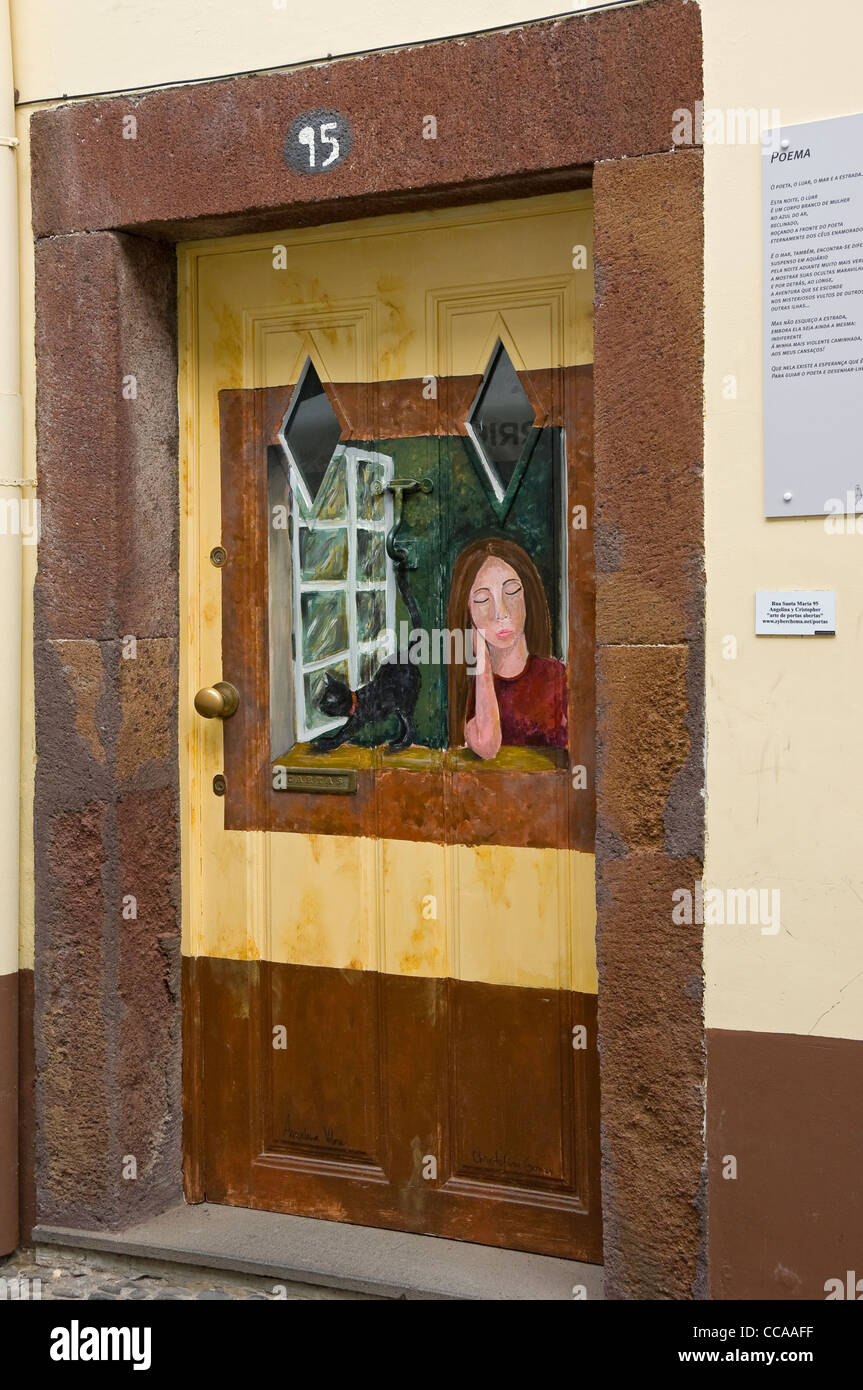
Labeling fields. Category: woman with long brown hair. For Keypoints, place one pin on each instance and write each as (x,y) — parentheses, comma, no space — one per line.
(516,693)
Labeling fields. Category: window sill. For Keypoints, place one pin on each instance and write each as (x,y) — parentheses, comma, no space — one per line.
(509,759)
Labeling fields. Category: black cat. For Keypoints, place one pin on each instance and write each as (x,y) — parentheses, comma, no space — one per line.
(393,690)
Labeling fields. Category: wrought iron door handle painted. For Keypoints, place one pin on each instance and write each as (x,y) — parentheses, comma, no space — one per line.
(399,487)
(217,701)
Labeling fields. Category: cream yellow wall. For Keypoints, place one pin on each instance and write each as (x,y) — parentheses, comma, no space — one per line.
(76,47)
(784,763)
(29,552)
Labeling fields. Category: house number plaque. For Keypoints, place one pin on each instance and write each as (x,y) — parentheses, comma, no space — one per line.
(317,141)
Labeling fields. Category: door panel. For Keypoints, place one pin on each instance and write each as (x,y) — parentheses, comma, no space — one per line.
(391,968)
(482,1078)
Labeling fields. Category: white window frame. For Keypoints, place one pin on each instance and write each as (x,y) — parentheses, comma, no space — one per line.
(350,586)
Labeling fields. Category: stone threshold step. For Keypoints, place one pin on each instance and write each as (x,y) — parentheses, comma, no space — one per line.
(363,1259)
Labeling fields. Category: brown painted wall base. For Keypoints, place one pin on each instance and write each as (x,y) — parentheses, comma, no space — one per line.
(8,1112)
(26,1110)
(787,1108)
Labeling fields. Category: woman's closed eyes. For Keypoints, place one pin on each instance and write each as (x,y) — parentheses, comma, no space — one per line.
(510,588)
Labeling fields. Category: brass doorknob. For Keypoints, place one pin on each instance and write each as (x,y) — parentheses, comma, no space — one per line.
(217,701)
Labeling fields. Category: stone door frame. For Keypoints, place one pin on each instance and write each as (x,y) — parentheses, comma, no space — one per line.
(551,105)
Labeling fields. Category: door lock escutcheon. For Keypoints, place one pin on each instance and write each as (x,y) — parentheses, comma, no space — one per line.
(217,701)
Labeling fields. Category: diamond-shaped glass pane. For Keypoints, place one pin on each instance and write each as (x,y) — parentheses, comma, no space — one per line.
(502,418)
(311,429)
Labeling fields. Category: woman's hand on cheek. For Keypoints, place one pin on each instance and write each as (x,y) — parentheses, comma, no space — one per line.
(482,733)
(482,663)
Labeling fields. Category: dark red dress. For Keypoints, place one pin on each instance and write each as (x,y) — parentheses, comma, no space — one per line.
(532,704)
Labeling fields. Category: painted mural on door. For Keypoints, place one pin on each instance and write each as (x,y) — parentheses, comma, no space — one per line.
(412,593)
(392,988)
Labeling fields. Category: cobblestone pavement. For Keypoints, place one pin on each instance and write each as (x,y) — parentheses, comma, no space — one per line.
(86,1274)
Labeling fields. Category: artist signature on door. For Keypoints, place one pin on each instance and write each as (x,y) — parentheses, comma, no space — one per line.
(507,1163)
(327,1136)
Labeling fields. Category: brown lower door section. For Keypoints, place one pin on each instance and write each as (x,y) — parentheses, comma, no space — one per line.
(443,1107)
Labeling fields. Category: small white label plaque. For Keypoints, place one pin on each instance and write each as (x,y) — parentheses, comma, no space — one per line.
(795,613)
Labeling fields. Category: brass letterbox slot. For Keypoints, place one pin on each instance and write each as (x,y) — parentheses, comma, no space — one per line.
(315,779)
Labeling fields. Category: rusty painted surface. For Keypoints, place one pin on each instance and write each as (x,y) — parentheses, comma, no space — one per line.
(451,803)
(437,1086)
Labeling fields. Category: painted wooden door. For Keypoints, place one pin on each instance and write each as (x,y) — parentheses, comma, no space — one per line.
(388,854)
